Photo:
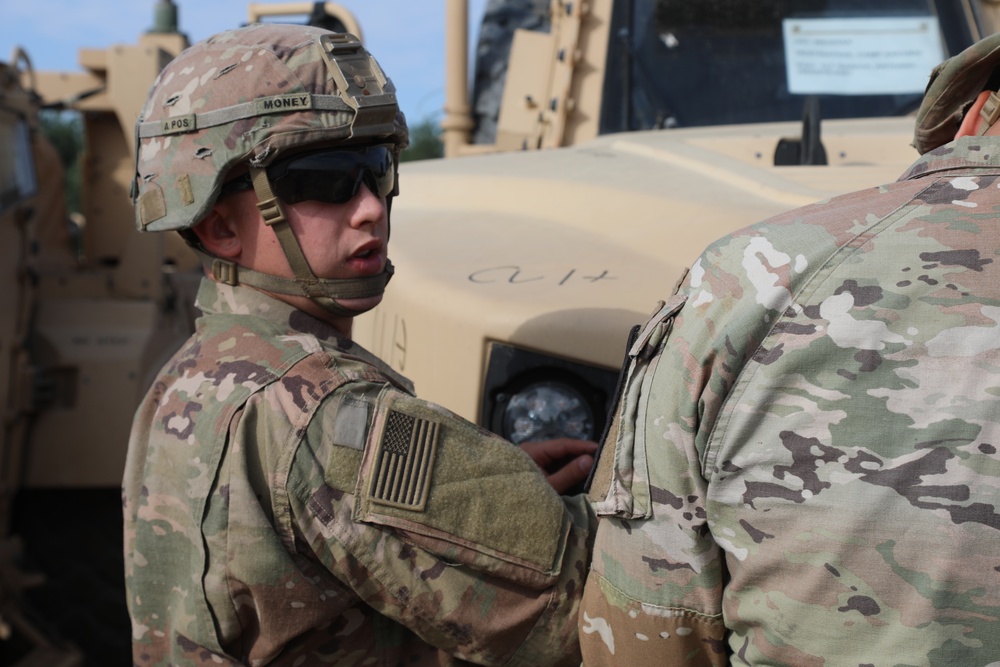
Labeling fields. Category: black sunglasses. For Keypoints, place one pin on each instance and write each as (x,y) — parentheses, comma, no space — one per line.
(332,176)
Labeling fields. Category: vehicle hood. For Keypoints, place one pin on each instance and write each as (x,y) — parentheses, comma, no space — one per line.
(535,247)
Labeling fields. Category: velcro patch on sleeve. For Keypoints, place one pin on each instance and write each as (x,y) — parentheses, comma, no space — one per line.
(460,492)
(404,462)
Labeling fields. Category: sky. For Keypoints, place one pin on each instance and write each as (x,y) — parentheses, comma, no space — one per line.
(406,36)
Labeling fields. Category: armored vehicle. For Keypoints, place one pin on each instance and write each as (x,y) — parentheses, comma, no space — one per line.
(88,313)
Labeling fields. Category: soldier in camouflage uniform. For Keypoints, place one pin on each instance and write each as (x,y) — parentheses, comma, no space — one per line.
(804,468)
(288,501)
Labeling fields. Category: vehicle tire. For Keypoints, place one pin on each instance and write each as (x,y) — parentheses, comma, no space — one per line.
(73,537)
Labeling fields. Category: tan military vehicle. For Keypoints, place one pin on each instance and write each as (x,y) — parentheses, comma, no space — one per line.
(89,310)
(630,134)
(22,198)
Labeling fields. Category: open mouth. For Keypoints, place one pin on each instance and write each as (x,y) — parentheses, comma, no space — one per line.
(368,259)
(369,250)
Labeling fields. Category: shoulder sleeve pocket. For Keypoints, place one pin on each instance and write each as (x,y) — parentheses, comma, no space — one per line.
(460,492)
(621,483)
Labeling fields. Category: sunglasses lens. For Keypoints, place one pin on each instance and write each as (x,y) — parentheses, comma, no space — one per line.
(334,176)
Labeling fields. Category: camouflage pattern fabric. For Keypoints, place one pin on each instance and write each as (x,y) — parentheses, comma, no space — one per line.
(806,467)
(288,501)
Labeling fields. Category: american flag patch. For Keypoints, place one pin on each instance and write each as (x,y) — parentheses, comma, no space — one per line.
(404,462)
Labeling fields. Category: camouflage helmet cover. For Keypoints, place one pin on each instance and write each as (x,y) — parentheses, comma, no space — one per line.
(954,84)
(245,96)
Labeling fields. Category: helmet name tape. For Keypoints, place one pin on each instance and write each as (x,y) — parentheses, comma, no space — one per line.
(260,107)
(283,103)
(179,124)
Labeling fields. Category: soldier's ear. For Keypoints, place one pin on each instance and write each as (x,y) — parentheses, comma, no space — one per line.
(218,234)
(970,123)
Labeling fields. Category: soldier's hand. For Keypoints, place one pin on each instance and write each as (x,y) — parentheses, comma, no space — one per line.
(565,462)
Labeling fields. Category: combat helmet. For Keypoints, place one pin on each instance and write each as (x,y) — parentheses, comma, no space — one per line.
(953,87)
(240,101)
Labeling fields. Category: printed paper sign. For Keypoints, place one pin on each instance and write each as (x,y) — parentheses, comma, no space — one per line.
(861,56)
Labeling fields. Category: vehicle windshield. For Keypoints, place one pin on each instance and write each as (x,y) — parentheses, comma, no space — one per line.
(681,63)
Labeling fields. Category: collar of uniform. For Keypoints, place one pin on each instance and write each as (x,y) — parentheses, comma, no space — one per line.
(964,153)
(216,298)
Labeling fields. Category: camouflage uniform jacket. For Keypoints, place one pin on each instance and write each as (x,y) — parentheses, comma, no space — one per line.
(289,502)
(805,467)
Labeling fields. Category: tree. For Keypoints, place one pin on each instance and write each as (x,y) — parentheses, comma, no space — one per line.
(64,131)
(425,141)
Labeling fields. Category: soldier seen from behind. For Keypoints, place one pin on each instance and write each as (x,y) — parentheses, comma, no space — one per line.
(806,464)
(288,500)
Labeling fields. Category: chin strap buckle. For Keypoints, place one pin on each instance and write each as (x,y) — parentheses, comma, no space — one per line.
(272,211)
(989,113)
(270,207)
(224,272)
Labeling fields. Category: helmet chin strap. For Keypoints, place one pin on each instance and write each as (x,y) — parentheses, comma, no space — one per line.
(989,114)
(323,291)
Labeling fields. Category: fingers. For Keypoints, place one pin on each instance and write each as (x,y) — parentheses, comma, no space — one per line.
(546,452)
(565,462)
(572,474)
(569,447)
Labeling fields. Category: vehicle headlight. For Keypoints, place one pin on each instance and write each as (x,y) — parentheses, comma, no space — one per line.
(547,410)
(530,396)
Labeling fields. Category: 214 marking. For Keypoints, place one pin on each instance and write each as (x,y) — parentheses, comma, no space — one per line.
(515,275)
